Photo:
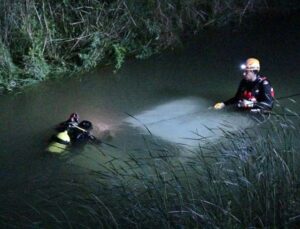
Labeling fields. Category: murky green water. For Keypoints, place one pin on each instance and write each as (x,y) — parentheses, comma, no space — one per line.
(168,95)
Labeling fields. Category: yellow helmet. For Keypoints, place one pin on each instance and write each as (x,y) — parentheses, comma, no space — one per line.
(251,64)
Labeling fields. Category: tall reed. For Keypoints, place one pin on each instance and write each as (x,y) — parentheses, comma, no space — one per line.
(250,179)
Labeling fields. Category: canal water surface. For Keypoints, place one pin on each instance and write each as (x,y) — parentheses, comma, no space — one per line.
(165,100)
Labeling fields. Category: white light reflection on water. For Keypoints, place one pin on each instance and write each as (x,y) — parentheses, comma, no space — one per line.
(187,120)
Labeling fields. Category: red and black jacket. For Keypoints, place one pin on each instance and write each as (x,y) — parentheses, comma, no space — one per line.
(259,91)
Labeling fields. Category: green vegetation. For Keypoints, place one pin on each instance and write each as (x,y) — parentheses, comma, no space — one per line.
(242,182)
(43,39)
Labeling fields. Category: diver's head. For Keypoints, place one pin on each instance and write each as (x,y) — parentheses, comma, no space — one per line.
(74,117)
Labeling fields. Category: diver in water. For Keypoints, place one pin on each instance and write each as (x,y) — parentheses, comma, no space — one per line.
(254,93)
(72,133)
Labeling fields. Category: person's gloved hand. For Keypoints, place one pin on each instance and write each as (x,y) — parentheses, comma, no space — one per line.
(245,103)
(219,106)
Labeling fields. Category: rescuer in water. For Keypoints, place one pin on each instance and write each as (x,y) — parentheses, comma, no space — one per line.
(71,132)
(254,93)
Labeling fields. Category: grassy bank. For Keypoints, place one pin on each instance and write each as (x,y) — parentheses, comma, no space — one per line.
(242,182)
(44,39)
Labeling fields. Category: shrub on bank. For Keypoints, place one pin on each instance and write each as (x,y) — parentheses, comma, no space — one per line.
(45,38)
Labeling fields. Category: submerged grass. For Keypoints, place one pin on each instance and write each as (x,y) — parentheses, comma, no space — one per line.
(248,180)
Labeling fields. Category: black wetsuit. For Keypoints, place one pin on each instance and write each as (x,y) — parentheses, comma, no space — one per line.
(81,133)
(78,132)
(259,91)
